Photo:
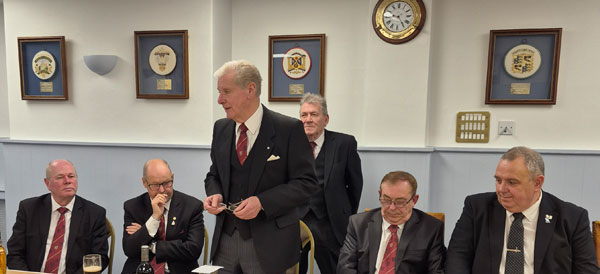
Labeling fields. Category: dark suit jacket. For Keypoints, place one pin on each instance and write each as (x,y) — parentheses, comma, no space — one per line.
(87,234)
(343,180)
(563,246)
(421,248)
(184,240)
(280,185)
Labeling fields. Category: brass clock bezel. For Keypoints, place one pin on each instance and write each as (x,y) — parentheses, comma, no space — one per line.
(403,36)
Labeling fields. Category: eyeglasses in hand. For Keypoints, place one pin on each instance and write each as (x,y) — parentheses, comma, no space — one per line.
(231,207)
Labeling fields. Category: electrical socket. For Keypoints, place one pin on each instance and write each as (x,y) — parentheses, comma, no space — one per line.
(506,127)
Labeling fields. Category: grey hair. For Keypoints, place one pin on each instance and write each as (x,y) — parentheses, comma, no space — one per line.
(244,73)
(532,159)
(311,98)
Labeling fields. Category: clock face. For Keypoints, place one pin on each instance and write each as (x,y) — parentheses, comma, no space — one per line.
(398,16)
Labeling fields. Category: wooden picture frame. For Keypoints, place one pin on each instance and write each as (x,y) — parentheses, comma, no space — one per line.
(523,66)
(296,66)
(157,74)
(43,68)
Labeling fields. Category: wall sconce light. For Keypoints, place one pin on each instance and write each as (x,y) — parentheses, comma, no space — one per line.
(100,64)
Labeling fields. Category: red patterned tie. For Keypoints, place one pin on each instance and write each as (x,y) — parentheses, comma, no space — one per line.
(53,260)
(388,264)
(159,268)
(242,144)
(313,145)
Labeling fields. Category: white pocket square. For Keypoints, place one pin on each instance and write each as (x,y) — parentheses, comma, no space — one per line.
(273,158)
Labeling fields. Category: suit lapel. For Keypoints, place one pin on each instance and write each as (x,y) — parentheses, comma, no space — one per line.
(224,151)
(261,150)
(543,234)
(330,146)
(374,234)
(76,218)
(174,210)
(410,229)
(496,224)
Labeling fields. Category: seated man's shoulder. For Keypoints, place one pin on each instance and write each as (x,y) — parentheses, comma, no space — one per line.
(140,199)
(188,199)
(561,205)
(481,198)
(90,205)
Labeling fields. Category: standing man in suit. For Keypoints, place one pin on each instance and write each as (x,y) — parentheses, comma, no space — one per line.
(340,182)
(520,228)
(167,220)
(396,238)
(262,170)
(55,230)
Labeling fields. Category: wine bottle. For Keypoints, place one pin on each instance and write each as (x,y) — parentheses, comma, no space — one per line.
(2,259)
(145,267)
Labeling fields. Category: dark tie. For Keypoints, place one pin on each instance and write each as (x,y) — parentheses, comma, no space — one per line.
(514,247)
(388,264)
(159,268)
(242,144)
(313,145)
(53,260)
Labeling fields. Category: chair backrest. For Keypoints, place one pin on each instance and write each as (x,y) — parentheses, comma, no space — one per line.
(205,260)
(596,232)
(111,235)
(306,237)
(440,216)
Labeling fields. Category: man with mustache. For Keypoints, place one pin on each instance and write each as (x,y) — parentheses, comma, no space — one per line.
(55,230)
(521,229)
(396,238)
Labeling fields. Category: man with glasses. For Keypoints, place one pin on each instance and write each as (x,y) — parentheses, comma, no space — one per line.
(396,238)
(167,220)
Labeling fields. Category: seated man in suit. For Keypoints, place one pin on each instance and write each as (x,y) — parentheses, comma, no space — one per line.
(339,175)
(396,238)
(169,221)
(519,228)
(54,231)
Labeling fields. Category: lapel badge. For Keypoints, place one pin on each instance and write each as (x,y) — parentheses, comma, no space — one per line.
(173,222)
(548,218)
(268,148)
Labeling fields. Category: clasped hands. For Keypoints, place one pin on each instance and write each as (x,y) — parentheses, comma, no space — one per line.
(247,209)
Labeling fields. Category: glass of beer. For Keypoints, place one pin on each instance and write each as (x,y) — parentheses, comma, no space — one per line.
(92,264)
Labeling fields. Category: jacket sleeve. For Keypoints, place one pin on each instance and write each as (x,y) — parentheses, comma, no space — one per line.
(348,260)
(460,248)
(188,249)
(17,244)
(582,248)
(354,185)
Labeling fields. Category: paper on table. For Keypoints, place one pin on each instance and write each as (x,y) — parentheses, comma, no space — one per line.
(206,269)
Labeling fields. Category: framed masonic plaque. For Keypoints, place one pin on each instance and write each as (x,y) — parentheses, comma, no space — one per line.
(523,66)
(296,66)
(43,68)
(161,64)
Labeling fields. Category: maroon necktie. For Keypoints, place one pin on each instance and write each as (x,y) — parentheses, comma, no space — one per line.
(53,260)
(159,268)
(242,144)
(313,145)
(388,264)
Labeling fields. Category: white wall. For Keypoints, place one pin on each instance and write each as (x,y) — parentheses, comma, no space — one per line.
(459,67)
(104,108)
(4,124)
(371,86)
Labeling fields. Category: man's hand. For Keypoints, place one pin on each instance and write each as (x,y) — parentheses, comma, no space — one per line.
(248,209)
(158,205)
(133,228)
(212,204)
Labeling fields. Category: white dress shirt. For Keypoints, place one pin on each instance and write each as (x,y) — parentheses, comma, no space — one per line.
(54,216)
(153,224)
(385,238)
(253,125)
(319,141)
(529,227)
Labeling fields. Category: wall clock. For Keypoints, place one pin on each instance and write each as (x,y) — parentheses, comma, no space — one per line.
(398,21)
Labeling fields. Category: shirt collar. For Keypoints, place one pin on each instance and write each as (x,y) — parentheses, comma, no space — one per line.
(253,123)
(56,206)
(319,141)
(532,212)
(385,225)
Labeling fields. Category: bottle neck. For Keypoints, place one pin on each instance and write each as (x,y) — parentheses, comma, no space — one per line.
(145,254)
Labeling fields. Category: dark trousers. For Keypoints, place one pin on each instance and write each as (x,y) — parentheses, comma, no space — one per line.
(327,248)
(237,255)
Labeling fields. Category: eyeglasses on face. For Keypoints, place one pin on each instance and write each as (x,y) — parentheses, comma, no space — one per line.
(155,187)
(399,203)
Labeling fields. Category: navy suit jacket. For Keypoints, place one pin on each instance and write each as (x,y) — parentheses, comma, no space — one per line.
(343,181)
(184,235)
(562,246)
(421,248)
(281,185)
(87,234)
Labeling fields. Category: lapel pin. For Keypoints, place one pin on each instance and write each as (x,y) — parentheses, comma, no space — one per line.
(548,218)
(268,147)
(173,222)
